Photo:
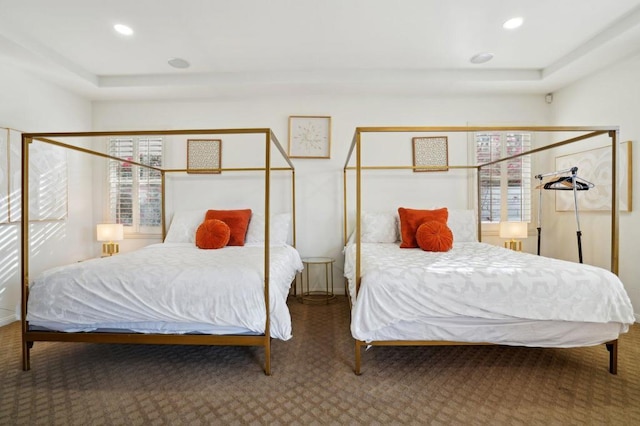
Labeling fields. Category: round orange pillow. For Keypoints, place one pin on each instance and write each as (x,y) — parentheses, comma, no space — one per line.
(434,236)
(212,234)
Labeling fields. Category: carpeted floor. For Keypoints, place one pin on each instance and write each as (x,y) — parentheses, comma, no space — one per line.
(313,382)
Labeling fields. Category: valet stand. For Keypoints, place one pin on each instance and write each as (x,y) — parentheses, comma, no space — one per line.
(564,183)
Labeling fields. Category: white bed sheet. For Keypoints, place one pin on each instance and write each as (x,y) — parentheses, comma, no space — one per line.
(168,288)
(478,292)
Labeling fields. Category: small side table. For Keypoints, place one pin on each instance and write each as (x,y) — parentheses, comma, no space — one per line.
(317,296)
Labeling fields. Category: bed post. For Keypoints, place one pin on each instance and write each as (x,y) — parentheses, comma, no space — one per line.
(479,203)
(267,214)
(163,210)
(267,354)
(612,347)
(358,357)
(615,202)
(24,264)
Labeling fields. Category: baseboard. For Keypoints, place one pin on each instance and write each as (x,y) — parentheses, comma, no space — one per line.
(637,318)
(6,317)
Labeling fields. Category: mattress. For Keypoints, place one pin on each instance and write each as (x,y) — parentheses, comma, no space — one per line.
(478,292)
(168,288)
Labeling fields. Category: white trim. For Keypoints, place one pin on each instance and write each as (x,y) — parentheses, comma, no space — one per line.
(6,317)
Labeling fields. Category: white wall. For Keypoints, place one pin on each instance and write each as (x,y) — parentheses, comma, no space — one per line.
(319,181)
(611,97)
(29,104)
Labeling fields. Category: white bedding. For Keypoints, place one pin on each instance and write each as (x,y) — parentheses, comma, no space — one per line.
(168,288)
(410,294)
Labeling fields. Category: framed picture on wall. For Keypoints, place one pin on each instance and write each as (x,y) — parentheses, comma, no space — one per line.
(204,156)
(309,136)
(431,152)
(48,180)
(594,165)
(4,175)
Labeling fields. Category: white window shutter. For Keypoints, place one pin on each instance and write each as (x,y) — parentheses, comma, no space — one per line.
(135,192)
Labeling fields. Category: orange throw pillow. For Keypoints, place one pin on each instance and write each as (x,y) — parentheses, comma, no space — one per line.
(434,236)
(212,234)
(238,221)
(411,219)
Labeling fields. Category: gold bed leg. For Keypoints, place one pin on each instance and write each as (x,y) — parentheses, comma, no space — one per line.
(26,354)
(358,357)
(267,356)
(612,347)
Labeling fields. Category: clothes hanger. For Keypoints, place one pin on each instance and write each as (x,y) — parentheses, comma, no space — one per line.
(568,183)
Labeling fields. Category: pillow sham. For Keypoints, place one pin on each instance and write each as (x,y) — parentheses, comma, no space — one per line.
(433,235)
(280,224)
(184,225)
(411,219)
(237,220)
(463,225)
(378,227)
(212,234)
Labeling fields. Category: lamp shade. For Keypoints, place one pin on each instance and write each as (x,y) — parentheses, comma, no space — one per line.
(513,230)
(110,232)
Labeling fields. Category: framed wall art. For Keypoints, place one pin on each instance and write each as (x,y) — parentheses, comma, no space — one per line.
(309,136)
(204,156)
(48,180)
(4,175)
(431,152)
(594,165)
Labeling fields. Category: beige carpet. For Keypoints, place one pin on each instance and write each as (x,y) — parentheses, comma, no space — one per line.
(313,382)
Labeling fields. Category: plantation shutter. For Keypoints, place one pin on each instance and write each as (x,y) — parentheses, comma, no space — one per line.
(505,187)
(135,193)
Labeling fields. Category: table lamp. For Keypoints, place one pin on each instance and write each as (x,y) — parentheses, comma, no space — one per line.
(513,231)
(108,233)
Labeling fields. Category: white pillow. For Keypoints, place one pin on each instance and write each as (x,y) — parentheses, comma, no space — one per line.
(184,225)
(280,224)
(378,227)
(463,225)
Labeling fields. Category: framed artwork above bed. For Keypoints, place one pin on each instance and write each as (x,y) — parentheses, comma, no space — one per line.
(431,152)
(204,156)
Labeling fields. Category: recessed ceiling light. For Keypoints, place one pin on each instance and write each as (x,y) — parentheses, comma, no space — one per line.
(481,58)
(178,63)
(123,29)
(513,23)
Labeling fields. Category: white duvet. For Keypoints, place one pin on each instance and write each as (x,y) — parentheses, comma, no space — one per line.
(168,288)
(480,282)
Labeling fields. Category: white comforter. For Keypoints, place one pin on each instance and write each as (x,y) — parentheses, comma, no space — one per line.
(477,280)
(168,288)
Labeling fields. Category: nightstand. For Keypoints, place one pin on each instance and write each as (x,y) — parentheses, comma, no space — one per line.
(317,296)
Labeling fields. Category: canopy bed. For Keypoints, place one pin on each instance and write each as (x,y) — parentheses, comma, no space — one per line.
(470,292)
(175,292)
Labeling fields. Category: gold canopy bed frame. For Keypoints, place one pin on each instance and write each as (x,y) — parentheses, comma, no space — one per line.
(29,337)
(356,150)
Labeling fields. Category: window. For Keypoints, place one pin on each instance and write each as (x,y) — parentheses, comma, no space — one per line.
(505,187)
(135,193)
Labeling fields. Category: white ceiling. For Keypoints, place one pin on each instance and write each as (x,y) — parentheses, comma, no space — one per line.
(258,47)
